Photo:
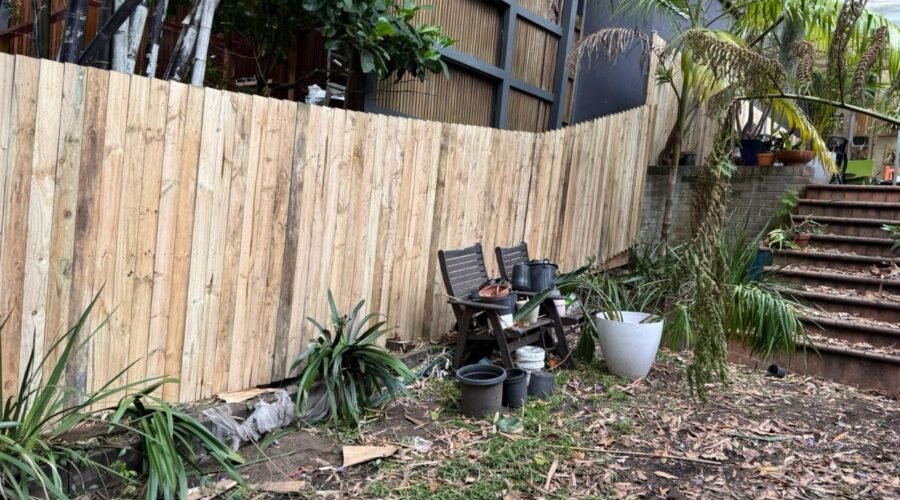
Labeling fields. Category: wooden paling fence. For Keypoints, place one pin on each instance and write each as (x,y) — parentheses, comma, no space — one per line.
(214,223)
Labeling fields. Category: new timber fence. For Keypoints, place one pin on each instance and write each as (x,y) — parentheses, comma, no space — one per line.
(214,222)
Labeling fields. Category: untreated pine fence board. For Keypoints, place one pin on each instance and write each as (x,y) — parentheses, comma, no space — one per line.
(215,223)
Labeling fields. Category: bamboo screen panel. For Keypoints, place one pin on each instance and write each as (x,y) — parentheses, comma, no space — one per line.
(544,8)
(475,24)
(527,113)
(534,59)
(463,98)
(216,222)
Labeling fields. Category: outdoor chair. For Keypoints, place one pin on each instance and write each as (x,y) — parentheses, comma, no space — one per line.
(478,322)
(507,257)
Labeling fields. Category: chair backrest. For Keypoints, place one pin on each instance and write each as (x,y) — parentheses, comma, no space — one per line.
(509,257)
(463,270)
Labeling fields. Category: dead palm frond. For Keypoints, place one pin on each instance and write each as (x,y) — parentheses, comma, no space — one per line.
(611,42)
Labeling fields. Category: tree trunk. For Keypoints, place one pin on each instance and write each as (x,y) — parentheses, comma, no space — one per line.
(107,31)
(73,36)
(202,50)
(120,42)
(103,54)
(187,39)
(135,34)
(42,27)
(665,231)
(156,25)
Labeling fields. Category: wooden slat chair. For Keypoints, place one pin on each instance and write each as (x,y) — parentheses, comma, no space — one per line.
(507,257)
(477,322)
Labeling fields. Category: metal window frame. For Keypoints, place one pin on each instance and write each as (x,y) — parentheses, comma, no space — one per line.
(501,73)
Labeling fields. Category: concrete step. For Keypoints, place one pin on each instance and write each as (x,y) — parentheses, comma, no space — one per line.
(840,261)
(875,309)
(853,331)
(859,245)
(824,277)
(848,226)
(849,209)
(863,368)
(887,194)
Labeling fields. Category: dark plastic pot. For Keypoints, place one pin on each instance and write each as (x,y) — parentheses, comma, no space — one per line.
(763,258)
(508,304)
(482,389)
(520,277)
(749,149)
(515,388)
(541,275)
(776,371)
(541,385)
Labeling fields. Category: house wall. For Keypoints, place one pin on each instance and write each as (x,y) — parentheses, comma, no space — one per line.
(755,193)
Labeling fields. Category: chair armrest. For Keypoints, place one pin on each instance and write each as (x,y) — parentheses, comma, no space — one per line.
(475,305)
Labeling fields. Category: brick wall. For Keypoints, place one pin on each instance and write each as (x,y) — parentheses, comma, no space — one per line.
(755,193)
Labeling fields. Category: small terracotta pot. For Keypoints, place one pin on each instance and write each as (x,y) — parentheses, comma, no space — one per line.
(795,157)
(802,240)
(765,159)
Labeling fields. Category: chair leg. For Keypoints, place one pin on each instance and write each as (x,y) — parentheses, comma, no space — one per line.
(562,347)
(462,337)
(500,335)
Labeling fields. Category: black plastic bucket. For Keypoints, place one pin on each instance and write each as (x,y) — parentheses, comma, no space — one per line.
(515,388)
(541,275)
(541,384)
(482,389)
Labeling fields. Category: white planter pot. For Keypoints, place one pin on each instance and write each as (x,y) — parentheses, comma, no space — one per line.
(629,346)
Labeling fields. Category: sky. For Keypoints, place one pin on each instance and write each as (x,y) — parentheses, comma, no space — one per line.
(888,8)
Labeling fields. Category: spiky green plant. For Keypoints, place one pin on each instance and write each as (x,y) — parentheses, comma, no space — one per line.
(353,367)
(168,436)
(35,418)
(34,423)
(893,231)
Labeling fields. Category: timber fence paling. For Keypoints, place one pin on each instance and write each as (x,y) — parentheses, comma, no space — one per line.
(215,223)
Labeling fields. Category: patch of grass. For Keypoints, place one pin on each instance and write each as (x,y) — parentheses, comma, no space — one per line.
(623,425)
(379,489)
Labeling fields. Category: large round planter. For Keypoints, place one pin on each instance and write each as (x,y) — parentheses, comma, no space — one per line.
(481,388)
(795,157)
(629,346)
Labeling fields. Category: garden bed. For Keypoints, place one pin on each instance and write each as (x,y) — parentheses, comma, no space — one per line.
(599,435)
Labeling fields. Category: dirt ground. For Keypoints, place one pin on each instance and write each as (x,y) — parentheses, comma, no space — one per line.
(604,437)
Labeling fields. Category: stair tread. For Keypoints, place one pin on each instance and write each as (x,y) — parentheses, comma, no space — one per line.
(849,203)
(852,187)
(837,256)
(848,321)
(853,239)
(858,349)
(882,301)
(843,220)
(834,274)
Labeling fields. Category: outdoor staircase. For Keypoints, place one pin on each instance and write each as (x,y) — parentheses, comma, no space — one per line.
(850,280)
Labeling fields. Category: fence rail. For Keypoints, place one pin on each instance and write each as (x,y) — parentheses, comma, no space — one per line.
(215,222)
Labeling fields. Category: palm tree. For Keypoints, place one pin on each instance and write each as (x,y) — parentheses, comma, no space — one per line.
(758,28)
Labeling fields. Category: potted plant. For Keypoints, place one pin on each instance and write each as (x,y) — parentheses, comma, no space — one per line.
(795,236)
(791,152)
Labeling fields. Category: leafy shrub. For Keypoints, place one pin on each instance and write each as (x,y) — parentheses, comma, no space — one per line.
(353,368)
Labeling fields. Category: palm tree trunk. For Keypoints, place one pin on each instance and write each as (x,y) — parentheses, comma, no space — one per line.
(42,27)
(135,34)
(103,55)
(156,25)
(187,39)
(672,184)
(120,42)
(202,50)
(73,36)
